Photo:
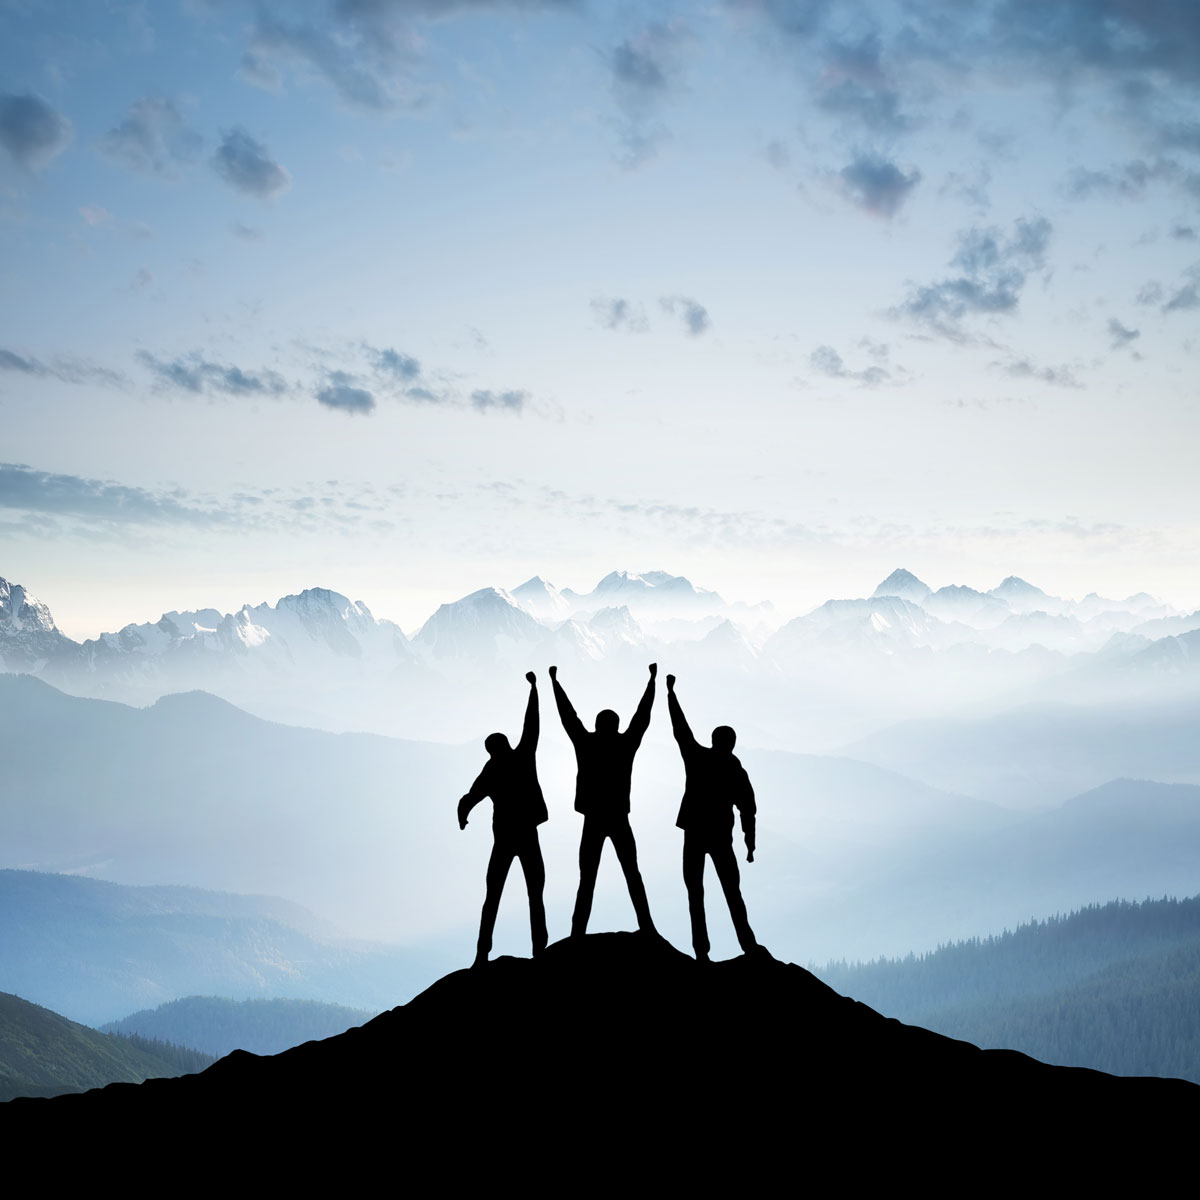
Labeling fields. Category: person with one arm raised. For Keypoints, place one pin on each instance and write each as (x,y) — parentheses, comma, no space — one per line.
(715,784)
(604,759)
(509,777)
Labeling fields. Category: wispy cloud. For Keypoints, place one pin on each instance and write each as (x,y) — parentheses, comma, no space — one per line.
(616,313)
(992,272)
(693,314)
(153,138)
(196,374)
(65,369)
(643,69)
(22,487)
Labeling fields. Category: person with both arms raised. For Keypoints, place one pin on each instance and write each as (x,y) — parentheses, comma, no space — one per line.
(510,778)
(715,784)
(605,769)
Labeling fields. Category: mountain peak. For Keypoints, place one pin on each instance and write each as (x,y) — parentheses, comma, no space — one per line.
(630,1036)
(904,584)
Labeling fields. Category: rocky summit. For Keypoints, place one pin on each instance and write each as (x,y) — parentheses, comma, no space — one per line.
(616,1060)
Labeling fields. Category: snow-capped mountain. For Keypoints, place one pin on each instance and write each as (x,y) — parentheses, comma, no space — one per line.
(28,636)
(904,584)
(317,657)
(485,626)
(542,600)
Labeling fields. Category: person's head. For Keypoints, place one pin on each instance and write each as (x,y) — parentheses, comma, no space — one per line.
(607,722)
(724,739)
(496,744)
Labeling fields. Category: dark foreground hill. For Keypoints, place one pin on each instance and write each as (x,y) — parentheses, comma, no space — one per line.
(617,1059)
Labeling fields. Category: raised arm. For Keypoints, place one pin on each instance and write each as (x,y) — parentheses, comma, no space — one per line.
(746,809)
(479,789)
(529,735)
(679,726)
(640,721)
(566,714)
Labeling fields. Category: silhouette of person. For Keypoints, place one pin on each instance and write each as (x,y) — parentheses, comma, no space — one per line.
(604,761)
(715,783)
(509,777)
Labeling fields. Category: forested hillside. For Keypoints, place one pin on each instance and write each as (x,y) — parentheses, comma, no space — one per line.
(217,1025)
(44,1054)
(1113,986)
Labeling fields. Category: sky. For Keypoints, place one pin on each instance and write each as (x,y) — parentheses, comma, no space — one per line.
(406,298)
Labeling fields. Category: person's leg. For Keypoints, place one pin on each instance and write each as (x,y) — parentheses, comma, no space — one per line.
(497,873)
(693,880)
(725,861)
(590,844)
(535,883)
(626,848)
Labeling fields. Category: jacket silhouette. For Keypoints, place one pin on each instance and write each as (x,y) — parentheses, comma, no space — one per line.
(510,779)
(604,760)
(715,784)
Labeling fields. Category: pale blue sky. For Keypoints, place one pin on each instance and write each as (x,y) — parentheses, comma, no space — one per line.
(406,298)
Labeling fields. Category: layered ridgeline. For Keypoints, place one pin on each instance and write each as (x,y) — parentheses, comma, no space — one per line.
(44,1054)
(97,952)
(843,671)
(218,1026)
(1113,987)
(614,1059)
(853,860)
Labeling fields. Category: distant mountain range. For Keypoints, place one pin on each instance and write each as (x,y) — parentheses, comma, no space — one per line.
(847,669)
(98,951)
(854,859)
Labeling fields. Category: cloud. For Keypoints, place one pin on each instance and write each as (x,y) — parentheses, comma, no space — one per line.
(1119,335)
(22,487)
(694,314)
(992,273)
(341,393)
(1183,233)
(363,54)
(30,130)
(878,185)
(644,68)
(67,370)
(855,85)
(248,166)
(827,361)
(615,313)
(152,139)
(199,375)
(1185,299)
(1022,368)
(489,401)
(402,366)
(246,233)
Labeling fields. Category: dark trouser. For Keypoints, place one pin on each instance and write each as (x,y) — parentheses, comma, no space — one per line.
(595,830)
(524,846)
(695,847)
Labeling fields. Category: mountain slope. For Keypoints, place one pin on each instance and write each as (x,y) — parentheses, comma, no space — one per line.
(614,1058)
(44,1054)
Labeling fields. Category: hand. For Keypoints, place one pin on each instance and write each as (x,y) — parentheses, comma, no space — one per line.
(653,670)
(749,855)
(531,677)
(462,822)
(553,672)
(670,683)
